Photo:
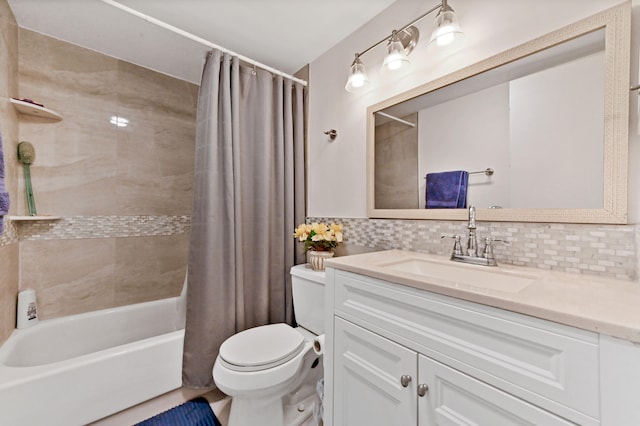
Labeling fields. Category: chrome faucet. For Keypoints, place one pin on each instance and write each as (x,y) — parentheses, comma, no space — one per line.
(471,255)
(472,241)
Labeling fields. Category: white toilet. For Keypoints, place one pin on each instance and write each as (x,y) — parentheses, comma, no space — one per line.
(271,371)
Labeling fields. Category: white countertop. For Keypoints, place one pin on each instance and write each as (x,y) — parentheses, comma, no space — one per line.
(601,305)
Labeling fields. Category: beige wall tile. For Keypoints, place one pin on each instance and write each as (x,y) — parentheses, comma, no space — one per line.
(86,166)
(150,268)
(155,175)
(9,88)
(75,166)
(155,170)
(8,289)
(69,276)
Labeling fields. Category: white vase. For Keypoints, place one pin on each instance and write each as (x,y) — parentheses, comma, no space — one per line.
(316,259)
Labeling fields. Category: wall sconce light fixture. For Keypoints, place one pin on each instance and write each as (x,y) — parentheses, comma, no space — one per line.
(402,42)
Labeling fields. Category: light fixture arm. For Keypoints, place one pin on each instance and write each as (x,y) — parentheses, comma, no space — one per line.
(440,5)
(445,7)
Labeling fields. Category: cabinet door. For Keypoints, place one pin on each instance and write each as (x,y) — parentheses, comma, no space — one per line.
(367,379)
(453,398)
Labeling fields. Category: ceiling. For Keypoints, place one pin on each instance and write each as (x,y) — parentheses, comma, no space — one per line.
(283,34)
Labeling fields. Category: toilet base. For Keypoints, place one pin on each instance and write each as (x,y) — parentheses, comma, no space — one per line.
(272,412)
(292,409)
(249,411)
(297,414)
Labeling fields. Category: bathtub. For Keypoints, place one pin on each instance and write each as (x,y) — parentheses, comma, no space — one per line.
(77,369)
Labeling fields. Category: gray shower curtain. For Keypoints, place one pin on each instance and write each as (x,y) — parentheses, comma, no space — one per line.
(248,197)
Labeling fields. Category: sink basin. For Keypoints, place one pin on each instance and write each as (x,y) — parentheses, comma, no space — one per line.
(478,277)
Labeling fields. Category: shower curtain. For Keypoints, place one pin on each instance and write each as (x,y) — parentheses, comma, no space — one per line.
(248,197)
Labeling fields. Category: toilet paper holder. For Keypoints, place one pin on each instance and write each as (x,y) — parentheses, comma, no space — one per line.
(318,344)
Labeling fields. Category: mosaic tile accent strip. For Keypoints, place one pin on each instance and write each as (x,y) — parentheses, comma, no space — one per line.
(603,250)
(10,234)
(82,227)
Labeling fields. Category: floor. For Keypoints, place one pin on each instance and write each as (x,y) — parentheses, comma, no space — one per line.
(220,403)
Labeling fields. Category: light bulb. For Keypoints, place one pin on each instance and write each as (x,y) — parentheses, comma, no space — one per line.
(394,61)
(446,37)
(447,29)
(396,56)
(357,79)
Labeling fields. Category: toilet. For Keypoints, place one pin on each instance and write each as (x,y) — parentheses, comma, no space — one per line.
(271,371)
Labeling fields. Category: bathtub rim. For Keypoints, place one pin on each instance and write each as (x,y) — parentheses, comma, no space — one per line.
(13,339)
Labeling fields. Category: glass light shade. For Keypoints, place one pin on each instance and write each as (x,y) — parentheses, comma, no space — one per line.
(396,57)
(358,79)
(447,29)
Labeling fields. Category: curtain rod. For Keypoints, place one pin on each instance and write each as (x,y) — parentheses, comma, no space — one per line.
(200,40)
(393,117)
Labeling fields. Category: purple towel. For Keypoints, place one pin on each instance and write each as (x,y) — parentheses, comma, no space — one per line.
(4,203)
(447,190)
(4,196)
(1,163)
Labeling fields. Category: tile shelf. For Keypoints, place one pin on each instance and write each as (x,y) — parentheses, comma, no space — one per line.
(33,218)
(35,110)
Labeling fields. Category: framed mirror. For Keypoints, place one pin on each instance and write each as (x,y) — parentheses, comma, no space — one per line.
(538,133)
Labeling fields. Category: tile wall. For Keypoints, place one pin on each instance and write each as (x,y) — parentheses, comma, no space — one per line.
(604,250)
(9,131)
(124,193)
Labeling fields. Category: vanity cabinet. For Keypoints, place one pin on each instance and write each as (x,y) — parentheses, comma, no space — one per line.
(379,382)
(397,355)
(368,373)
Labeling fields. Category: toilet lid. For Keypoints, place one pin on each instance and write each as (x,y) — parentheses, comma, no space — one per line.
(262,347)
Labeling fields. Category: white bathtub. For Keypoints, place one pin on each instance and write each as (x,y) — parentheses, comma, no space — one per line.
(77,369)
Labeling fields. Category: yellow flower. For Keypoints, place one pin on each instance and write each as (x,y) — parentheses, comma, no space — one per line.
(302,232)
(336,230)
(319,228)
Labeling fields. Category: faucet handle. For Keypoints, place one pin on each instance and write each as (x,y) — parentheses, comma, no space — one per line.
(457,245)
(488,247)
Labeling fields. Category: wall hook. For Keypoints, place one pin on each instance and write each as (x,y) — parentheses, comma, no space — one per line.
(332,133)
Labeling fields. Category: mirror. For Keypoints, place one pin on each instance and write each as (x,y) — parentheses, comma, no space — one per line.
(539,132)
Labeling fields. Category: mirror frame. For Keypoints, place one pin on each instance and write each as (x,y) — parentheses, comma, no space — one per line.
(617,24)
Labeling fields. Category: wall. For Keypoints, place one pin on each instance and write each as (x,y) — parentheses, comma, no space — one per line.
(492,26)
(558,103)
(124,193)
(9,132)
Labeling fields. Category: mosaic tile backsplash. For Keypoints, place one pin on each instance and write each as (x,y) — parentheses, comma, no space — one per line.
(604,250)
(87,227)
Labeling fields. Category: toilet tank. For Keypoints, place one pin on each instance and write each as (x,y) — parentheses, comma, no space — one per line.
(308,298)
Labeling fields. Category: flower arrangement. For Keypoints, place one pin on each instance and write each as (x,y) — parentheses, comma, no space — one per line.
(319,236)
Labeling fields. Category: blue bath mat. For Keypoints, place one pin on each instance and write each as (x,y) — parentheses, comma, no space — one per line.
(196,412)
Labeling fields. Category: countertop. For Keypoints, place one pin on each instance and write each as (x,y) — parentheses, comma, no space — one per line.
(606,306)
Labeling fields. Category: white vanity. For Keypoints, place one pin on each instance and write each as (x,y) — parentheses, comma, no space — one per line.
(414,339)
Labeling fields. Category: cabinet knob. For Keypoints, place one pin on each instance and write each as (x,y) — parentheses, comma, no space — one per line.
(405,380)
(423,389)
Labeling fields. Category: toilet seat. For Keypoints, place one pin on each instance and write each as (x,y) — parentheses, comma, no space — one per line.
(261,348)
